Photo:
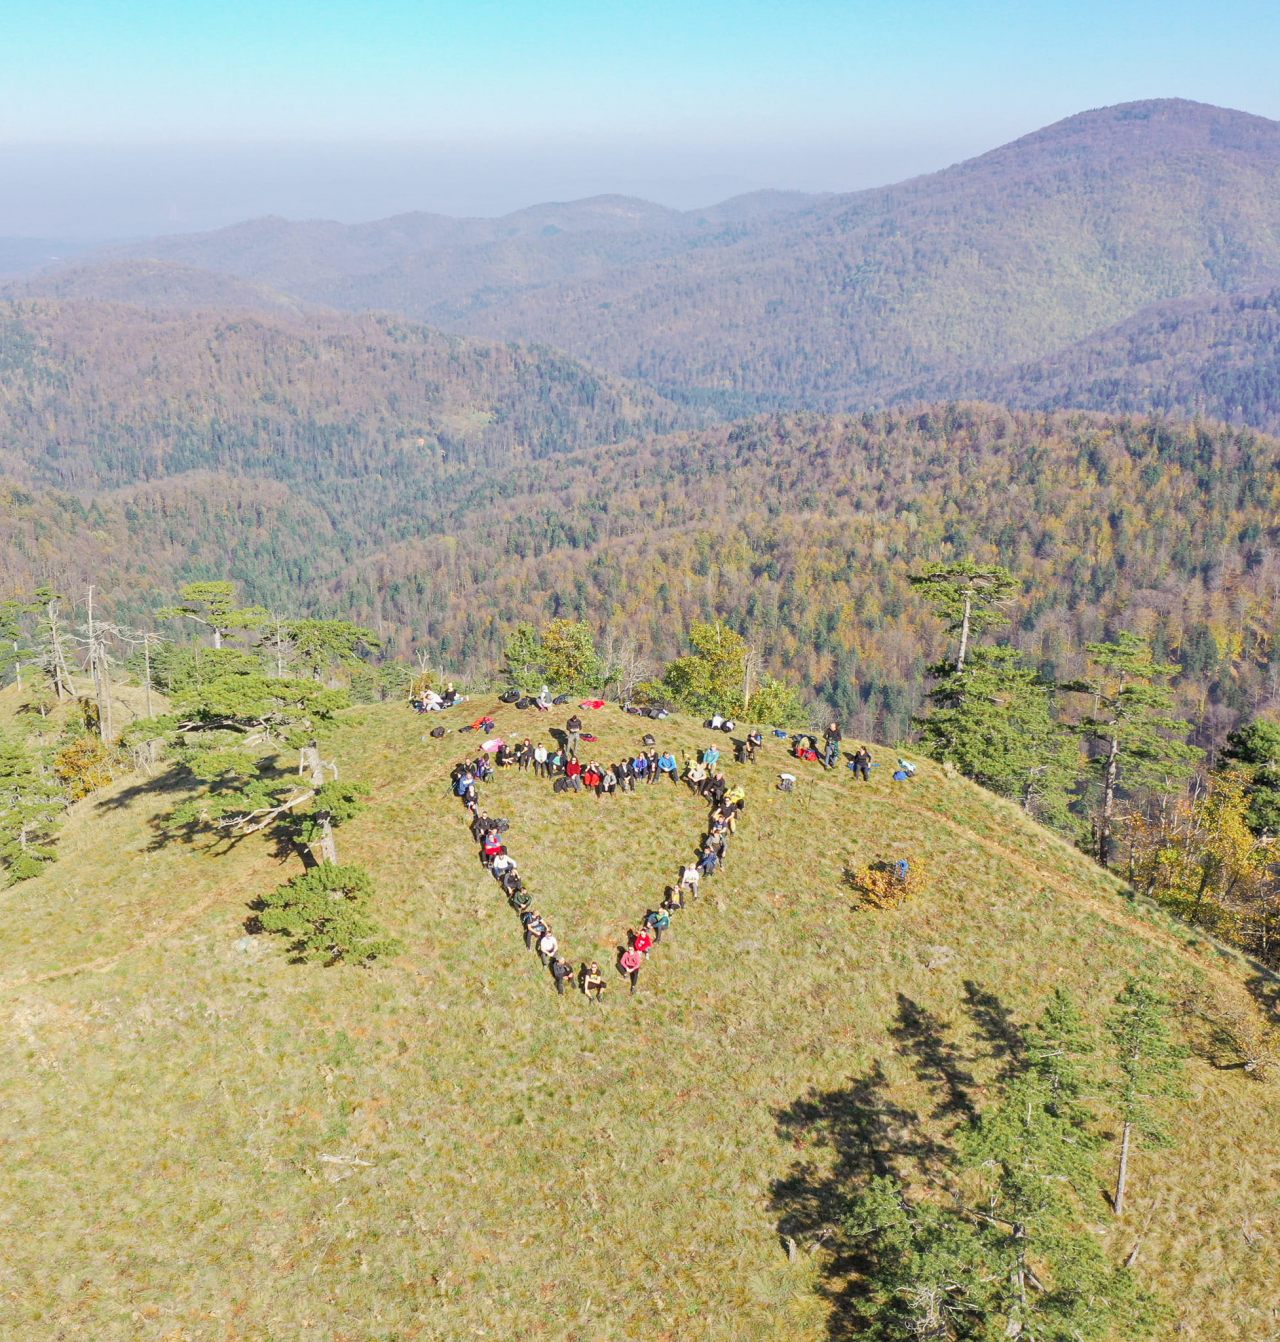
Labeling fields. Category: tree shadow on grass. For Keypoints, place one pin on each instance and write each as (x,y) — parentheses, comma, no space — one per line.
(176,778)
(868,1136)
(999,1030)
(922,1038)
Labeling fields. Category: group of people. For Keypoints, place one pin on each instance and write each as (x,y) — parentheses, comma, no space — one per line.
(561,763)
(429,701)
(700,773)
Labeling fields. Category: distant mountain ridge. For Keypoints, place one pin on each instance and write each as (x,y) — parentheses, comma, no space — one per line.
(781,299)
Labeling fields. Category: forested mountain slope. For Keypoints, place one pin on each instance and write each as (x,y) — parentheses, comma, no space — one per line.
(98,395)
(1216,357)
(441,1146)
(829,302)
(800,530)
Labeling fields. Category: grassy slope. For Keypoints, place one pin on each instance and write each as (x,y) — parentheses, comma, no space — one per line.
(534,1167)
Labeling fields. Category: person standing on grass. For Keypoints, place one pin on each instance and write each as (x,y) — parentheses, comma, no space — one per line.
(831,746)
(629,962)
(754,742)
(574,729)
(547,947)
(562,972)
(593,984)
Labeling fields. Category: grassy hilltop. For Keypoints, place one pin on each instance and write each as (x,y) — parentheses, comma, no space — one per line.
(204,1141)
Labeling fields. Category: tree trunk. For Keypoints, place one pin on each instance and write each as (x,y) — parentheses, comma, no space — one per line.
(964,633)
(98,673)
(1122,1177)
(1108,802)
(146,662)
(328,845)
(17,665)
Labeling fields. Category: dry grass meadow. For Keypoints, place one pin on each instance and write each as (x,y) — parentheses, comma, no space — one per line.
(202,1141)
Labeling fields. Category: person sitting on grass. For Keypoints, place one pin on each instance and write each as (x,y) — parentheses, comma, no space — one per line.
(861,764)
(609,782)
(547,946)
(540,758)
(502,864)
(689,879)
(667,765)
(716,788)
(562,972)
(573,772)
(640,767)
(543,701)
(641,940)
(593,984)
(629,963)
(709,861)
(626,776)
(657,920)
(711,756)
(651,771)
(695,775)
(591,778)
(492,847)
(534,927)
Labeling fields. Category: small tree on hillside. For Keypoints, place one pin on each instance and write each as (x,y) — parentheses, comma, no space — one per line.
(1149,1064)
(31,804)
(710,679)
(569,657)
(325,912)
(1132,726)
(1060,1046)
(525,659)
(969,597)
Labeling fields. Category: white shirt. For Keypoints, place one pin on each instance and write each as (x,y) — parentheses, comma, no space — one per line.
(548,945)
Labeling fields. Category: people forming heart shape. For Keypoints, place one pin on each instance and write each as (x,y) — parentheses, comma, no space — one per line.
(566,773)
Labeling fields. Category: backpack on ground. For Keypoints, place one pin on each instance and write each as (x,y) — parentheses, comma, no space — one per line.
(648,740)
(509,697)
(524,703)
(560,785)
(437,732)
(560,699)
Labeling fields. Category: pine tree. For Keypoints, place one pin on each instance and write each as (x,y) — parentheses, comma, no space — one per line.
(1149,1066)
(325,912)
(968,596)
(1132,725)
(1255,749)
(322,644)
(215,607)
(1059,1046)
(994,721)
(31,804)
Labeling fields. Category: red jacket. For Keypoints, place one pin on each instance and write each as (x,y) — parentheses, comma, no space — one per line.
(641,942)
(573,769)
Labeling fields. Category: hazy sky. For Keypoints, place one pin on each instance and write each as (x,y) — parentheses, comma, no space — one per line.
(119,118)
